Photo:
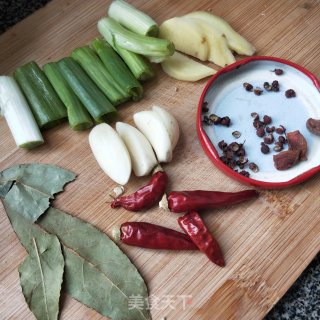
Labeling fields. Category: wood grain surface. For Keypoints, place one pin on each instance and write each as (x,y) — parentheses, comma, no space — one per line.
(267,243)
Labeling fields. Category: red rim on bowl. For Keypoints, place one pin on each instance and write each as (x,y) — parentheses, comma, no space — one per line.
(213,154)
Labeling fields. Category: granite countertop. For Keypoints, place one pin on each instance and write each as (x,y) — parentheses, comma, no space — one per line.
(302,301)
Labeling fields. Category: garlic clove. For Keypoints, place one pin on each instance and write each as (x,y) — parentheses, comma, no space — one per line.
(142,156)
(170,122)
(150,124)
(110,153)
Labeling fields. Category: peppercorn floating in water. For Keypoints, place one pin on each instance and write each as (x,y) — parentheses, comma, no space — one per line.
(195,228)
(145,197)
(184,201)
(151,236)
(275,86)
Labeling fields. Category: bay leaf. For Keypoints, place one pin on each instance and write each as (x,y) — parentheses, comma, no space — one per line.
(97,272)
(41,273)
(31,187)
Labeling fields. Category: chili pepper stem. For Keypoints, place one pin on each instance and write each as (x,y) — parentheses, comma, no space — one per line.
(163,204)
(116,233)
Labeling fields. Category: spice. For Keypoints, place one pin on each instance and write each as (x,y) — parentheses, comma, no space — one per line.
(313,126)
(236,134)
(145,197)
(257,91)
(225,121)
(296,141)
(281,130)
(278,146)
(286,159)
(253,167)
(275,86)
(267,86)
(264,148)
(278,72)
(255,116)
(205,108)
(270,129)
(282,139)
(245,173)
(290,93)
(260,132)
(184,201)
(267,119)
(151,236)
(194,227)
(268,139)
(222,145)
(214,119)
(248,86)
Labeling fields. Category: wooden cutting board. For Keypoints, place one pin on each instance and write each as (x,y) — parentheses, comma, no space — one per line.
(267,243)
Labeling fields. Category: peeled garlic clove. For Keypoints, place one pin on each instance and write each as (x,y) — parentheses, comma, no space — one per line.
(170,123)
(142,156)
(111,153)
(150,124)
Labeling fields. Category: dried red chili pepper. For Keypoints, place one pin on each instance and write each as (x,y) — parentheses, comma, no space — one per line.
(145,197)
(184,201)
(194,227)
(151,236)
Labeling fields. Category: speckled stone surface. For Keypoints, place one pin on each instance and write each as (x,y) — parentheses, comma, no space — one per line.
(302,301)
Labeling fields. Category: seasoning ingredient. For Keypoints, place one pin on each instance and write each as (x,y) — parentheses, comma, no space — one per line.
(170,122)
(313,126)
(90,275)
(290,93)
(20,120)
(146,196)
(180,67)
(184,201)
(111,153)
(32,186)
(143,159)
(114,32)
(41,275)
(151,236)
(286,159)
(152,126)
(278,72)
(45,104)
(133,19)
(297,141)
(194,227)
(78,116)
(234,40)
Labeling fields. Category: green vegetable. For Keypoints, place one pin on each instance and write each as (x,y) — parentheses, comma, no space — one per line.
(79,118)
(89,94)
(126,39)
(140,68)
(32,186)
(120,72)
(18,115)
(96,70)
(97,272)
(41,275)
(133,19)
(46,106)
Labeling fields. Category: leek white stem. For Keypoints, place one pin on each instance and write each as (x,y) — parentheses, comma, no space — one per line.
(133,19)
(18,115)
